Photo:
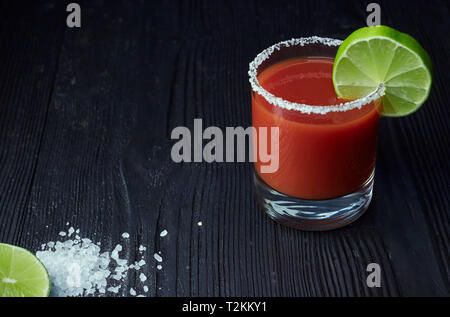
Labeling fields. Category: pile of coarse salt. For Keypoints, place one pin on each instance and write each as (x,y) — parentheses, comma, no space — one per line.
(77,267)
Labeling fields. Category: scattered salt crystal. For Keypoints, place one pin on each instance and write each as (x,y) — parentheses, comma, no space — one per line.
(118,248)
(120,269)
(114,290)
(132,292)
(159,267)
(199,223)
(142,248)
(117,276)
(163,233)
(142,277)
(157,257)
(62,234)
(141,263)
(146,289)
(115,253)
(125,235)
(77,267)
(67,223)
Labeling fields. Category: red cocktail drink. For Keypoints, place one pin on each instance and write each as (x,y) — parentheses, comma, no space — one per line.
(321,156)
(326,146)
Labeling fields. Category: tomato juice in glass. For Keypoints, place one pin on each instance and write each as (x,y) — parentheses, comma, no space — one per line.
(327,146)
(322,156)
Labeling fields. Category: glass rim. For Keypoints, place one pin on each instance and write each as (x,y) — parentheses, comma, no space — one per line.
(304,108)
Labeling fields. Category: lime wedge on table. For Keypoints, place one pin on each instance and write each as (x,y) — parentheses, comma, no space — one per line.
(21,273)
(379,54)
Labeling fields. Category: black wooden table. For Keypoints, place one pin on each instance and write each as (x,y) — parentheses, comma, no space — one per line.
(85,122)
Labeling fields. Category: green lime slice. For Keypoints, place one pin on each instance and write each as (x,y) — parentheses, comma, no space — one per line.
(376,55)
(21,273)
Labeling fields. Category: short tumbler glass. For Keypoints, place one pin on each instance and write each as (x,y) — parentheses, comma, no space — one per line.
(326,153)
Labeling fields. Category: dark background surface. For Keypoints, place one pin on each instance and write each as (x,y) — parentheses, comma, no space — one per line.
(85,122)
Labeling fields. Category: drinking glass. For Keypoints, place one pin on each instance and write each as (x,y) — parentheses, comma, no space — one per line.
(326,153)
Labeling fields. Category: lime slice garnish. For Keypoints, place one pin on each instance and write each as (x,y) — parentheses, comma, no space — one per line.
(21,273)
(377,55)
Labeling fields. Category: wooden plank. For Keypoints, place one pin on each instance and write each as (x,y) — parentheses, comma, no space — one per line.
(93,149)
(30,52)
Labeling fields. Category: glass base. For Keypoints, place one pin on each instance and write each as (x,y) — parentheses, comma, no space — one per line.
(313,215)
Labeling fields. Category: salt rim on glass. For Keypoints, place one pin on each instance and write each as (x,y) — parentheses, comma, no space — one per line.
(308,109)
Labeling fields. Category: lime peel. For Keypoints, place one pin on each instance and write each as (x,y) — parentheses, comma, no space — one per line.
(21,273)
(377,55)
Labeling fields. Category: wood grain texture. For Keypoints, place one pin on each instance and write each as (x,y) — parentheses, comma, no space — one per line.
(85,122)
